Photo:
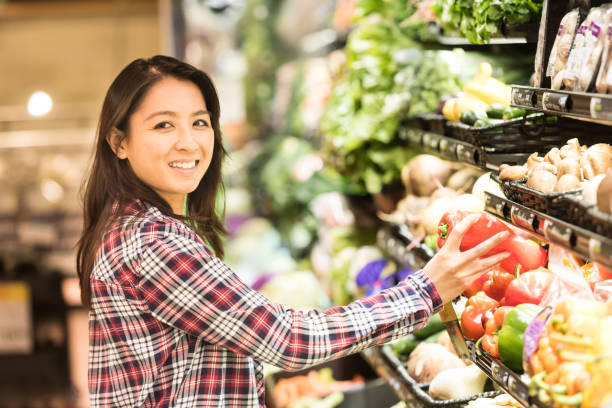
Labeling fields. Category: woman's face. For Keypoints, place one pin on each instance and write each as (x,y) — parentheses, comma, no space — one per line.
(170,141)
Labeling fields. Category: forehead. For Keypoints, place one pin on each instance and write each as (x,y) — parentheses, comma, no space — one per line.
(173,95)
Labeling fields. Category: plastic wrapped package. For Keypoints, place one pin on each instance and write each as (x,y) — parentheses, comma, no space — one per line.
(594,45)
(582,52)
(603,82)
(562,46)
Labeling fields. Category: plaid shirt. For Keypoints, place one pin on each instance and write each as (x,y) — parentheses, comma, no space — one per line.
(172,326)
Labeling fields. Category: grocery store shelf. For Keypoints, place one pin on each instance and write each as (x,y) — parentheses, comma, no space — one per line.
(397,241)
(579,240)
(511,382)
(384,362)
(457,150)
(390,374)
(457,41)
(579,105)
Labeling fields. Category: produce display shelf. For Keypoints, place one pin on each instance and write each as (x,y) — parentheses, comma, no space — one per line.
(579,105)
(390,374)
(457,150)
(579,240)
(512,383)
(398,242)
(460,41)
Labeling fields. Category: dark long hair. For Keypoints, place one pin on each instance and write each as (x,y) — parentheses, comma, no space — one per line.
(111,181)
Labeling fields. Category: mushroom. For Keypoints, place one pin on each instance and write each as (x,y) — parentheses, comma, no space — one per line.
(512,172)
(543,181)
(572,148)
(589,189)
(569,165)
(567,182)
(604,194)
(553,156)
(533,160)
(545,166)
(600,157)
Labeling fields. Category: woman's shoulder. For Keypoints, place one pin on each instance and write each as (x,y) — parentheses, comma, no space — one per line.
(143,224)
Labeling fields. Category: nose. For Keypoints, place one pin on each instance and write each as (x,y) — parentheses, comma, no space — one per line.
(186,139)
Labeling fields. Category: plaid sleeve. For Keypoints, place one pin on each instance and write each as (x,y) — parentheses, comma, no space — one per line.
(185,287)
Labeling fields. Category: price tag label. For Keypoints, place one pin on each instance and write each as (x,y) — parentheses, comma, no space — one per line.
(523,97)
(466,154)
(558,234)
(518,390)
(522,218)
(498,373)
(600,249)
(431,141)
(15,318)
(557,102)
(601,108)
(414,136)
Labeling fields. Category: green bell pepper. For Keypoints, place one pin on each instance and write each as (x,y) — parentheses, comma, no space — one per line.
(512,333)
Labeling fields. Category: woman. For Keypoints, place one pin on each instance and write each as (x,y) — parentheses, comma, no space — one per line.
(170,324)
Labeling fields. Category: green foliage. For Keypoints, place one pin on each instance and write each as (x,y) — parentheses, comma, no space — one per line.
(279,193)
(387,78)
(264,53)
(477,21)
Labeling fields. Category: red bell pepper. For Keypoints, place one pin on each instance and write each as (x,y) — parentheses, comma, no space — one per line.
(595,273)
(472,316)
(484,228)
(496,286)
(524,252)
(477,285)
(490,338)
(530,287)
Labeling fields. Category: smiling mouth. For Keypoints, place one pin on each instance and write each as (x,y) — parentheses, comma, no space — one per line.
(184,164)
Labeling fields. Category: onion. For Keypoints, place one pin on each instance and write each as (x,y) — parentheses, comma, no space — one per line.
(427,173)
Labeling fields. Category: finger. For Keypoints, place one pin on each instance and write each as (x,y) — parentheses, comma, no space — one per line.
(456,235)
(485,246)
(489,262)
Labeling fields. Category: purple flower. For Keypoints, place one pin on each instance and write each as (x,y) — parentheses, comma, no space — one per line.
(403,274)
(370,273)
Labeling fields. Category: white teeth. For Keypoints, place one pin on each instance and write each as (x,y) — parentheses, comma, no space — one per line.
(183,165)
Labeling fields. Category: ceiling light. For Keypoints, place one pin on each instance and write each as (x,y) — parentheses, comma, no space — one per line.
(40,104)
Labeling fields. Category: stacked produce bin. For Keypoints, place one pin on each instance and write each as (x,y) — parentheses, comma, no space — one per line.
(423,131)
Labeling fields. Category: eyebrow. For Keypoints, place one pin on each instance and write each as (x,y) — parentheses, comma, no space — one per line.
(173,114)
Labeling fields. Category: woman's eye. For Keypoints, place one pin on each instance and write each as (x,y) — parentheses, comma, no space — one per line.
(163,125)
(201,122)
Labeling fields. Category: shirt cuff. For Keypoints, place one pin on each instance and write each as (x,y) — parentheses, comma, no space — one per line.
(426,288)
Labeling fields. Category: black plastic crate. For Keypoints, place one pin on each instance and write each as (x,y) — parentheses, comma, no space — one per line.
(587,216)
(420,390)
(535,132)
(553,204)
(432,122)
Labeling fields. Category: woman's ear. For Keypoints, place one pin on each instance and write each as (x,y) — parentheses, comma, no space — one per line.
(116,141)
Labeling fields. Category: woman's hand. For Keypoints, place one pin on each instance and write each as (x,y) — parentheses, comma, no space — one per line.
(453,271)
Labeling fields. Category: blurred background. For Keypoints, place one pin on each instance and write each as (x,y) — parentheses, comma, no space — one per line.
(58,57)
(313,142)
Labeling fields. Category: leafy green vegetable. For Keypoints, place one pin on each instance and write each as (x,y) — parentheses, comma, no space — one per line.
(387,78)
(477,21)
